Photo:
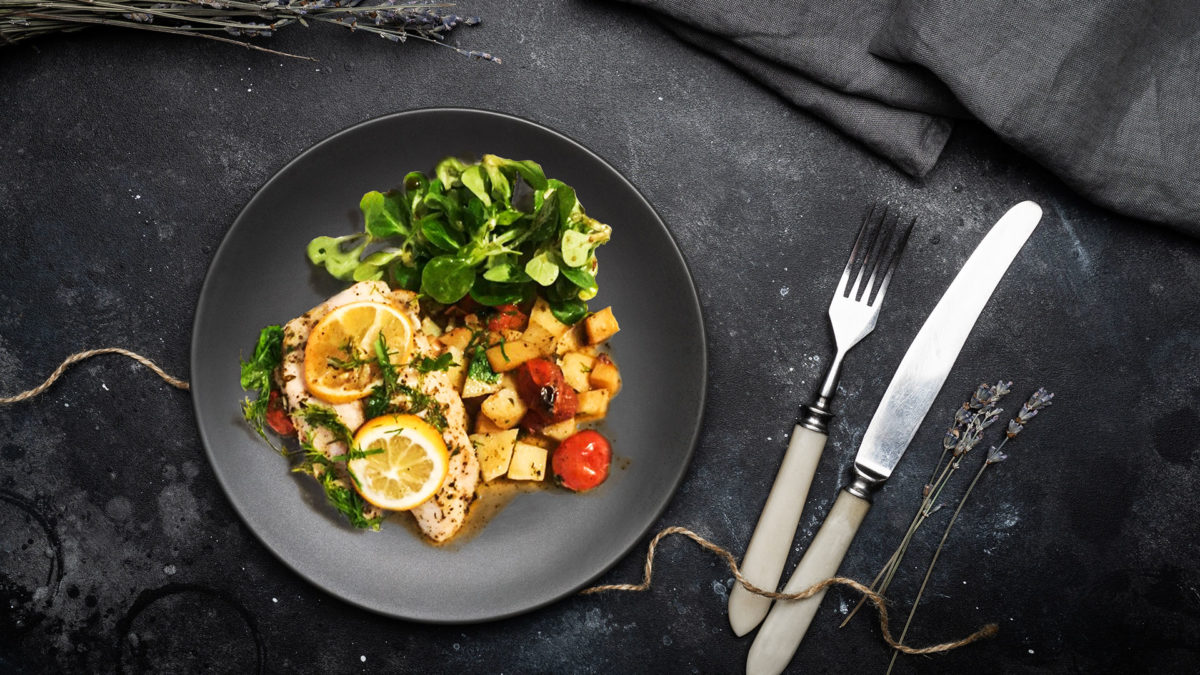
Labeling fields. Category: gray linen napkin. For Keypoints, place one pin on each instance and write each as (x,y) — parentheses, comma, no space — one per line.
(1104,93)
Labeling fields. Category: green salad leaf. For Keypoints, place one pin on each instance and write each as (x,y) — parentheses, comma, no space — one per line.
(495,230)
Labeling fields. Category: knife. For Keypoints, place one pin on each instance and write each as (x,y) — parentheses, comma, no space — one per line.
(904,404)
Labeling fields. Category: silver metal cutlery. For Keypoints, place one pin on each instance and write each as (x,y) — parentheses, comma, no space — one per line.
(852,314)
(907,399)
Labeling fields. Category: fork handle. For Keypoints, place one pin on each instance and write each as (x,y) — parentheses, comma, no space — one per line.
(789,620)
(772,539)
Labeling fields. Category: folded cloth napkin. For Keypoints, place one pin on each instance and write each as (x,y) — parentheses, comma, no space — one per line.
(1105,93)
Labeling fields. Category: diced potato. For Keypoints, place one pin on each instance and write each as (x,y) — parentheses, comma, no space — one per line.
(542,339)
(494,451)
(570,341)
(507,356)
(504,407)
(457,373)
(593,405)
(604,375)
(473,387)
(430,328)
(539,440)
(512,335)
(560,430)
(528,462)
(459,337)
(542,316)
(485,425)
(601,326)
(576,367)
(544,329)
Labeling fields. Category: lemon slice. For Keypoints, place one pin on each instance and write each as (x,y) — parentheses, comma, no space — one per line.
(411,468)
(340,359)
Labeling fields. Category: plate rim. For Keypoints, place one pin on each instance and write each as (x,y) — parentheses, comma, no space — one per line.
(692,297)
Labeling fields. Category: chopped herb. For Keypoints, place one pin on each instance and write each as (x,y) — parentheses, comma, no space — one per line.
(348,502)
(320,416)
(256,376)
(427,365)
(354,357)
(480,369)
(420,402)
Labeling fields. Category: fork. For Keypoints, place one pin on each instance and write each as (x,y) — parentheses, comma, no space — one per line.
(852,313)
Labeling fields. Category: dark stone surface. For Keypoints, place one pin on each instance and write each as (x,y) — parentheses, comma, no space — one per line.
(123,160)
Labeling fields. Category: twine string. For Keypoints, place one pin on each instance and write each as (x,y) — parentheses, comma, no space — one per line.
(80,356)
(876,599)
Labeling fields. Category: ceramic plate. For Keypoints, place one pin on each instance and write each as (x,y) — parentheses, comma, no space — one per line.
(542,545)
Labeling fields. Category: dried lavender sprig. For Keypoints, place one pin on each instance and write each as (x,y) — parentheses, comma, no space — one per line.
(1040,399)
(426,21)
(970,421)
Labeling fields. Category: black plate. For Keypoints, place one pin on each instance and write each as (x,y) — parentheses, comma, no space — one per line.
(543,545)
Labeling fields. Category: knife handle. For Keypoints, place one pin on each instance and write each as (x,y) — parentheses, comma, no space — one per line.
(788,620)
(772,539)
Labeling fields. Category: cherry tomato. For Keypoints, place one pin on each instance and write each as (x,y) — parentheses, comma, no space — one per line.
(507,317)
(581,461)
(550,399)
(277,417)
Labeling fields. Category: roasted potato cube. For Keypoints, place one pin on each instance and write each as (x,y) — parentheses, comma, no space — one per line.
(542,316)
(593,405)
(601,326)
(560,430)
(570,341)
(576,367)
(495,452)
(528,462)
(473,387)
(544,329)
(540,338)
(457,372)
(507,356)
(604,375)
(485,425)
(504,407)
(459,337)
(430,328)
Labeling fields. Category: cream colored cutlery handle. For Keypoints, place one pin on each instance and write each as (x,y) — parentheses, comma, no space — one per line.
(788,620)
(772,539)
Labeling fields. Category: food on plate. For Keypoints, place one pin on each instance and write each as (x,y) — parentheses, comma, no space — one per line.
(581,461)
(463,355)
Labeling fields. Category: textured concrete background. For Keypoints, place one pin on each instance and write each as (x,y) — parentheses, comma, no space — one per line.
(124,159)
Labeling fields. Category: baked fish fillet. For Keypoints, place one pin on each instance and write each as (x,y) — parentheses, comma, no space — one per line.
(443,515)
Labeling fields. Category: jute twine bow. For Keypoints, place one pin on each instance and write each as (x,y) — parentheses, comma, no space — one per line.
(877,600)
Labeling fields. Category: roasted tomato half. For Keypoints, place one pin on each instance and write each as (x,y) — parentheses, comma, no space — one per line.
(507,317)
(543,388)
(581,461)
(277,417)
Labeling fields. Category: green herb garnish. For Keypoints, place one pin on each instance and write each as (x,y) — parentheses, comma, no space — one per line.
(480,368)
(256,377)
(426,365)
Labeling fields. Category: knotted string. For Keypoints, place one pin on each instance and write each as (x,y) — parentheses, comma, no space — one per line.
(878,600)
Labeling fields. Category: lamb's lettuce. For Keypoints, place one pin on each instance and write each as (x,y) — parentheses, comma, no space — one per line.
(497,230)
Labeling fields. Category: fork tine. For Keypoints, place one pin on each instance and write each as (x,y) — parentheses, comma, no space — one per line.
(886,232)
(858,240)
(874,237)
(894,260)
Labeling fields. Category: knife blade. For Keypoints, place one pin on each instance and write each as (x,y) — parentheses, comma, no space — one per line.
(908,397)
